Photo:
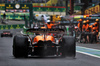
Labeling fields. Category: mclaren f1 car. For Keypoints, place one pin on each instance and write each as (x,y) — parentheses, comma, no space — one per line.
(44,44)
(48,42)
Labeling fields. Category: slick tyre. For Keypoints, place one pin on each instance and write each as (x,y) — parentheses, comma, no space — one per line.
(20,46)
(68,46)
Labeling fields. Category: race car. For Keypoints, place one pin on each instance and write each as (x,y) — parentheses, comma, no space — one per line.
(6,34)
(44,45)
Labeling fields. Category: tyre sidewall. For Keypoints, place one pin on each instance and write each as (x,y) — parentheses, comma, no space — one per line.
(20,46)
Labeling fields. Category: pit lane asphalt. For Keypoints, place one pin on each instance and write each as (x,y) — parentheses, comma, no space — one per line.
(7,59)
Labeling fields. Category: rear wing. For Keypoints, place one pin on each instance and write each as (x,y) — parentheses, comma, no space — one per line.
(6,31)
(45,30)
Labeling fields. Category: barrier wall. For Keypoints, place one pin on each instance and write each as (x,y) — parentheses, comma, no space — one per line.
(53,8)
(15,16)
(46,8)
(18,26)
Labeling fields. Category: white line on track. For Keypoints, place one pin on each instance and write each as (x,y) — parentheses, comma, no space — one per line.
(88,54)
(88,48)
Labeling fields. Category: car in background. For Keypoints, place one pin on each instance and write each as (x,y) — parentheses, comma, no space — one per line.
(6,34)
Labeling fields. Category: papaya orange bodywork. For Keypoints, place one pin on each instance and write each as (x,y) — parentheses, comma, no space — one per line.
(44,38)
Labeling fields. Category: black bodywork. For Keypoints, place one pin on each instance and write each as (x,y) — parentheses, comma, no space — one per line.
(45,48)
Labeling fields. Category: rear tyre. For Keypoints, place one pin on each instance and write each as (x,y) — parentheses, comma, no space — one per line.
(20,46)
(68,46)
(1,35)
